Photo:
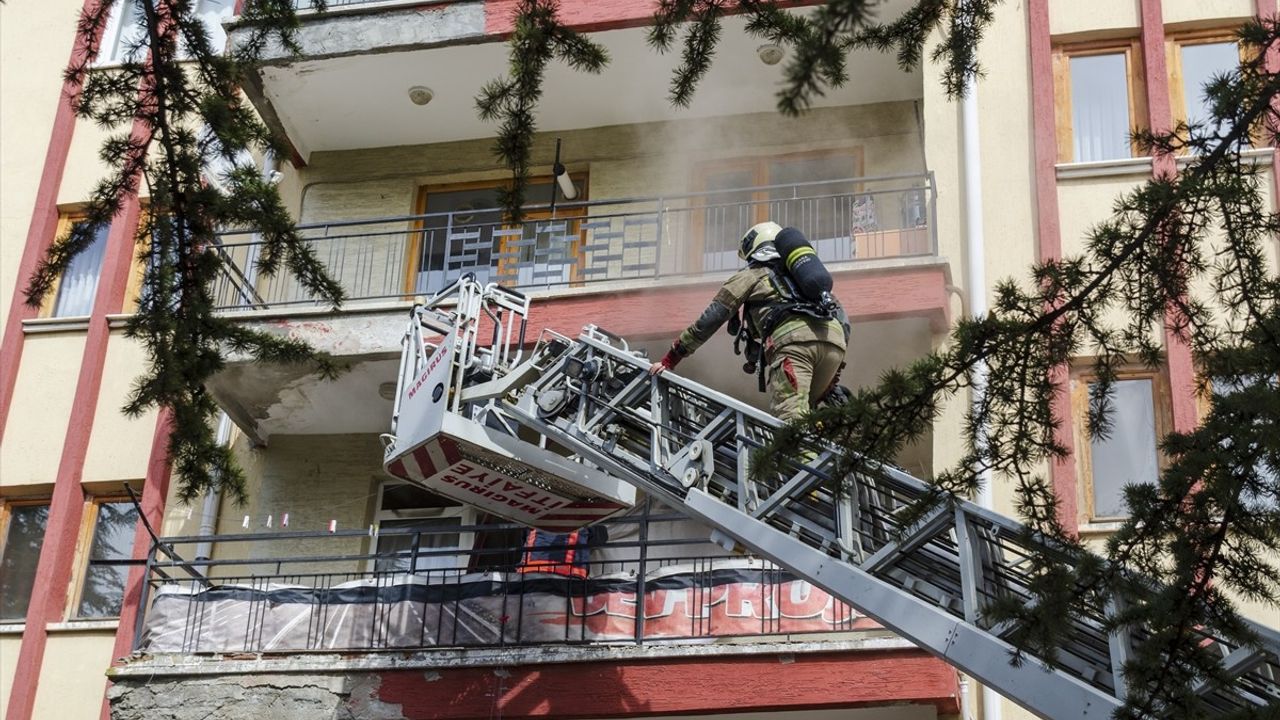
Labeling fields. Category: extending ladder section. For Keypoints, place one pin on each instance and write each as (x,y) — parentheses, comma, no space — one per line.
(592,402)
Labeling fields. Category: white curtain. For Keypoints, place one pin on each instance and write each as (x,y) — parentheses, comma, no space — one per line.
(1100,107)
(80,281)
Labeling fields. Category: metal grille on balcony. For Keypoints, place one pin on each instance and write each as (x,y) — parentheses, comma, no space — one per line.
(848,221)
(655,579)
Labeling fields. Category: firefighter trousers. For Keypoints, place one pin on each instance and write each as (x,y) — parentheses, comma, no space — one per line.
(799,375)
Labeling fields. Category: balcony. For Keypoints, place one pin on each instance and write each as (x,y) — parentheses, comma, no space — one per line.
(404,622)
(440,585)
(621,242)
(348,87)
(642,268)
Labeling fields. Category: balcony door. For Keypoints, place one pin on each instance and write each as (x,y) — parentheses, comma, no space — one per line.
(811,191)
(463,231)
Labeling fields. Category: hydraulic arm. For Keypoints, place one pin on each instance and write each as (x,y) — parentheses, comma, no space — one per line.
(583,420)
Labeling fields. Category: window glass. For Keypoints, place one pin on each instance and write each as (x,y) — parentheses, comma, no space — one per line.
(408,506)
(22,542)
(1100,123)
(1127,456)
(823,209)
(1200,65)
(125,34)
(428,541)
(1268,472)
(79,283)
(728,212)
(112,540)
(473,238)
(213,13)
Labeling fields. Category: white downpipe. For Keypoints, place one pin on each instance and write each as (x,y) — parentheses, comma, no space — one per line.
(213,498)
(976,283)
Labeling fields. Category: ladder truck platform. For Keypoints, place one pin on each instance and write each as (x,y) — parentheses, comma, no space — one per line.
(566,433)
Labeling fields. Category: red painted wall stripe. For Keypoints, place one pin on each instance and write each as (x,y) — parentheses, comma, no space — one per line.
(43,227)
(674,686)
(53,573)
(662,312)
(1062,471)
(1182,374)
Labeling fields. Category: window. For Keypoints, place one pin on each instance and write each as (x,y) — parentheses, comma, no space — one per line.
(21,537)
(815,192)
(1254,389)
(79,284)
(1099,101)
(102,589)
(1129,453)
(125,37)
(1195,60)
(465,233)
(401,505)
(213,13)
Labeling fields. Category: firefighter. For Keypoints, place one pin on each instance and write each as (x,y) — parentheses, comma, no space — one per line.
(801,344)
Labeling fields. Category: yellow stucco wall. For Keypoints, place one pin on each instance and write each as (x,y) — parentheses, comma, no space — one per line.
(1074,17)
(1083,203)
(1007,181)
(314,478)
(119,446)
(83,168)
(73,675)
(42,401)
(37,38)
(9,647)
(1176,11)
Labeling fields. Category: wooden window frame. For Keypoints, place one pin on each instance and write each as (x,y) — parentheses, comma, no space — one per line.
(414,247)
(759,167)
(1134,77)
(84,546)
(66,219)
(1174,42)
(6,509)
(1081,378)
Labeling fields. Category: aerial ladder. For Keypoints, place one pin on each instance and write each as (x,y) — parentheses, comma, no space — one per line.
(562,435)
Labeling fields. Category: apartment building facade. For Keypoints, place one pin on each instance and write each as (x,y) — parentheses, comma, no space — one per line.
(336,589)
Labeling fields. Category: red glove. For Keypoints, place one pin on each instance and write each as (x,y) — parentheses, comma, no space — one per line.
(670,360)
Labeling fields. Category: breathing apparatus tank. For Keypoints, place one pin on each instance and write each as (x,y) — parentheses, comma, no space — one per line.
(808,273)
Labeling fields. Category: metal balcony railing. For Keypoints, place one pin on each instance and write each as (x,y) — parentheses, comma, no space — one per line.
(848,221)
(656,579)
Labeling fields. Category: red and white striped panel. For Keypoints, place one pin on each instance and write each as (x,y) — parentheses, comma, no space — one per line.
(577,516)
(440,466)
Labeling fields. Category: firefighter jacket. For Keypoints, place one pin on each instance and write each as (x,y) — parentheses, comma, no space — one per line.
(757,288)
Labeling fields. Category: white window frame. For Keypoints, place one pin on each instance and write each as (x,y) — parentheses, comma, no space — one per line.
(110,52)
(466,514)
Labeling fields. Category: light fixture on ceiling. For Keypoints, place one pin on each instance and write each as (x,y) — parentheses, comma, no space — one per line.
(563,181)
(770,54)
(420,95)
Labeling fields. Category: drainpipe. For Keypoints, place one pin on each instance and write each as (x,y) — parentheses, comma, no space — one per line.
(213,499)
(976,281)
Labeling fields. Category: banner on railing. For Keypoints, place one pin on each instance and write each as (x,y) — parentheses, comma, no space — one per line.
(492,609)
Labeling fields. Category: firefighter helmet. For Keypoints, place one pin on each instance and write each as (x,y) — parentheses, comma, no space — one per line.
(756,238)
